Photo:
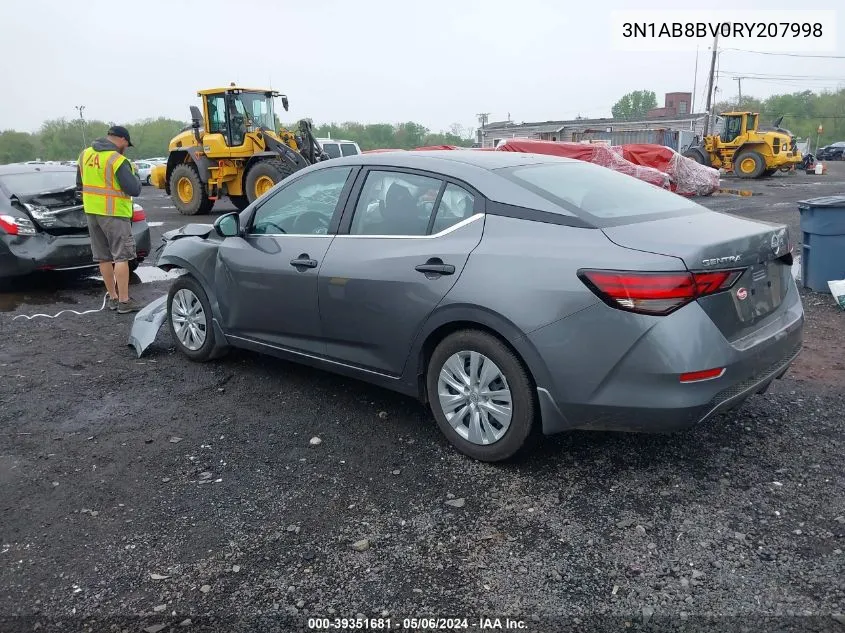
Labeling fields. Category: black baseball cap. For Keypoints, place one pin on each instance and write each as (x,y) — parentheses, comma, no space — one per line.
(120,132)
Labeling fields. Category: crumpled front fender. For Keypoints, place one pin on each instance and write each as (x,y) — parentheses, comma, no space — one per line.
(147,323)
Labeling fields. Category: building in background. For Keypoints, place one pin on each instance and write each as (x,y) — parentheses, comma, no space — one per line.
(668,126)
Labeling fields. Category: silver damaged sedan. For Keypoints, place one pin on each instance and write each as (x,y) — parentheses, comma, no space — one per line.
(510,292)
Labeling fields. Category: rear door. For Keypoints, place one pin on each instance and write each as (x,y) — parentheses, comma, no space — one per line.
(267,279)
(403,242)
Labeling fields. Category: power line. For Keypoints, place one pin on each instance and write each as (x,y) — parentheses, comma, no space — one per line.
(742,50)
(782,76)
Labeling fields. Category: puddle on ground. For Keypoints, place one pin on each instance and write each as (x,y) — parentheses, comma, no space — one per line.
(53,288)
(45,289)
(147,274)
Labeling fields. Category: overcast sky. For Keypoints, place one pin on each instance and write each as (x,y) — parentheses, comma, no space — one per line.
(435,62)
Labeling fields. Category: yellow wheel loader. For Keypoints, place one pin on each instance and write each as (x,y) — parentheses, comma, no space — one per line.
(745,150)
(232,148)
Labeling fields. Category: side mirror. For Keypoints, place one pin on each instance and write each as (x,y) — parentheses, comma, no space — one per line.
(228,225)
(285,103)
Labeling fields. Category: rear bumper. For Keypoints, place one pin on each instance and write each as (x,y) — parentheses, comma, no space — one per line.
(24,255)
(627,377)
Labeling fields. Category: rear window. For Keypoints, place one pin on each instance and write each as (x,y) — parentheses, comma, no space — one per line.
(30,183)
(332,150)
(598,193)
(348,149)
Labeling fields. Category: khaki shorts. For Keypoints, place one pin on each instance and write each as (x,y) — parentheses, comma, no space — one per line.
(111,238)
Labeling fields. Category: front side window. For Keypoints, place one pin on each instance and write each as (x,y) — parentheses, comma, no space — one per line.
(348,149)
(216,114)
(733,128)
(304,207)
(395,203)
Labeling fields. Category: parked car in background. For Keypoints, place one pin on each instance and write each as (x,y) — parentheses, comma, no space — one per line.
(157,159)
(144,168)
(336,148)
(504,289)
(834,151)
(43,226)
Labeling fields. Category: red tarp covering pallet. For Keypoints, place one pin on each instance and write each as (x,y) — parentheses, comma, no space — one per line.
(602,155)
(688,177)
(656,164)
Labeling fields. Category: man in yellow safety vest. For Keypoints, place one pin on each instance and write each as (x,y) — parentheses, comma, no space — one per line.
(108,181)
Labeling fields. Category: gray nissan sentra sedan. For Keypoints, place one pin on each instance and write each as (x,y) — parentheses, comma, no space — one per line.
(509,291)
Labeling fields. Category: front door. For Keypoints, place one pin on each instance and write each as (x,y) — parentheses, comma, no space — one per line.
(406,245)
(268,277)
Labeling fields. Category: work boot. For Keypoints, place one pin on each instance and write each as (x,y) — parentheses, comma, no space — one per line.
(125,307)
(113,303)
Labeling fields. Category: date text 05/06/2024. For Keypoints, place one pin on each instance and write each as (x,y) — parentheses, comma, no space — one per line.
(415,624)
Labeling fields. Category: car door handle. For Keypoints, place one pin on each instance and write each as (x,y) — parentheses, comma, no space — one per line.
(303,261)
(435,267)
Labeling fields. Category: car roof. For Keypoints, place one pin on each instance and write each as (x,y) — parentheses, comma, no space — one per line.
(451,162)
(476,169)
(20,168)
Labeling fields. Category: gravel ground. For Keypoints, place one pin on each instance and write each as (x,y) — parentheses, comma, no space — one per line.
(139,494)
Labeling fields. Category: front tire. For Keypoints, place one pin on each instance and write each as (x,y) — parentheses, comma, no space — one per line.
(263,176)
(749,164)
(481,395)
(189,319)
(189,193)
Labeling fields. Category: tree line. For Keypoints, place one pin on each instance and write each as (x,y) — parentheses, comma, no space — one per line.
(63,139)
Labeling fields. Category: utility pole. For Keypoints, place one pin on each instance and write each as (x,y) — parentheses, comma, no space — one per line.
(80,108)
(739,86)
(694,83)
(482,121)
(710,85)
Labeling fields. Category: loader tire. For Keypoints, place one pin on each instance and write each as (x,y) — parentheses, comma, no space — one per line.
(749,164)
(699,156)
(189,193)
(264,175)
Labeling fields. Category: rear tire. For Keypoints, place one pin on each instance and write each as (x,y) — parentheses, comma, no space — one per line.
(500,371)
(193,332)
(264,175)
(240,202)
(133,265)
(749,164)
(189,193)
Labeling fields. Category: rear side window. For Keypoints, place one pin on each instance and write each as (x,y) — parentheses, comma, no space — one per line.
(598,193)
(332,150)
(349,149)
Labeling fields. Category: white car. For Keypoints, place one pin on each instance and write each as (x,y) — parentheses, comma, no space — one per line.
(144,167)
(336,148)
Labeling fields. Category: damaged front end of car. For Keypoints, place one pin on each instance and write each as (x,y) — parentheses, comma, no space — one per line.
(180,250)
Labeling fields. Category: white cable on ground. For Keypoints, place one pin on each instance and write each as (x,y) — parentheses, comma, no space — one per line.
(48,316)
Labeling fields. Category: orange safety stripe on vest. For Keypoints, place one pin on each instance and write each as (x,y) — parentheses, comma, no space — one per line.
(102,191)
(110,181)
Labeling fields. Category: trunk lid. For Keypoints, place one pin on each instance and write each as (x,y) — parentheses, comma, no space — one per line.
(717,241)
(58,211)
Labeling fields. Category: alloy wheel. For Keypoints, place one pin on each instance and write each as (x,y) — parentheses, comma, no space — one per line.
(189,319)
(475,397)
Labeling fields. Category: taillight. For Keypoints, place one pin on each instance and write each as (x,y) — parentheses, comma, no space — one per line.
(138,214)
(705,374)
(655,293)
(11,225)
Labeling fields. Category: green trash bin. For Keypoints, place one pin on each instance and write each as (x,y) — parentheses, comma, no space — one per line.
(823,250)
